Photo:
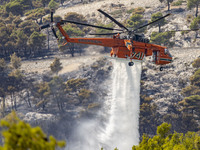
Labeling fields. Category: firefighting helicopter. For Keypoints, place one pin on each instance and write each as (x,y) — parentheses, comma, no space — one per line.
(132,47)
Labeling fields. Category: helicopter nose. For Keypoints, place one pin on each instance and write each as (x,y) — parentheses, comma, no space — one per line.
(171,59)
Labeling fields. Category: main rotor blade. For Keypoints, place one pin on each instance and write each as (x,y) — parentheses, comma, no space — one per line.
(84,24)
(105,33)
(51,16)
(54,32)
(151,22)
(111,18)
(44,26)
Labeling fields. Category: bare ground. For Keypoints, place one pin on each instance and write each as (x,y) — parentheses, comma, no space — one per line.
(69,64)
(92,7)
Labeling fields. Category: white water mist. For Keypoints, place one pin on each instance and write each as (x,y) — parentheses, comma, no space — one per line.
(122,128)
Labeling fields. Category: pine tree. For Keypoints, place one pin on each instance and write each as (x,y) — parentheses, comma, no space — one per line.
(15,61)
(2,65)
(57,88)
(56,66)
(168,3)
(159,23)
(193,4)
(19,135)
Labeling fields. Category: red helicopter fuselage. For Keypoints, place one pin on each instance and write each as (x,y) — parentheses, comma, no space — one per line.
(125,48)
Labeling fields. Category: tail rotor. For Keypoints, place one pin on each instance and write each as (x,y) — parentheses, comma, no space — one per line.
(51,24)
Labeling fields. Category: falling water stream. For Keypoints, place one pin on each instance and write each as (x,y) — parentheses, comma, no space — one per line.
(121,129)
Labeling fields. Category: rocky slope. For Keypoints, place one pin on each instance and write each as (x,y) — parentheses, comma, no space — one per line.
(165,87)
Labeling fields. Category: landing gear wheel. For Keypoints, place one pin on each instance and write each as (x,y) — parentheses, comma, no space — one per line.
(131,63)
(161,68)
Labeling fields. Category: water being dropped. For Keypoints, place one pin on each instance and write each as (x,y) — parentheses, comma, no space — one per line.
(122,114)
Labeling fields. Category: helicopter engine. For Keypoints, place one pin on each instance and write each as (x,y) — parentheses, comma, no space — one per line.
(140,38)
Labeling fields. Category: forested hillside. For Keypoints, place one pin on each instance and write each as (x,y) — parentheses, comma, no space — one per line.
(55,100)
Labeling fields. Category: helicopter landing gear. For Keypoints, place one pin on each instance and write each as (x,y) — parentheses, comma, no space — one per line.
(161,68)
(131,63)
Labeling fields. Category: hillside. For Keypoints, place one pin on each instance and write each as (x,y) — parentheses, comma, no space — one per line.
(58,102)
(110,5)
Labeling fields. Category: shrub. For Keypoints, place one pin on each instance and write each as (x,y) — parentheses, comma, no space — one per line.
(75,84)
(196,63)
(195,79)
(93,106)
(139,10)
(195,23)
(56,66)
(177,3)
(190,90)
(85,94)
(53,5)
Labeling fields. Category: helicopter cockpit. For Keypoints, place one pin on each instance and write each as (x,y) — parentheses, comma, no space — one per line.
(167,53)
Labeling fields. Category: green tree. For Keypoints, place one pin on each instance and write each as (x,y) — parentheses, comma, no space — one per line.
(165,140)
(15,61)
(135,21)
(57,88)
(29,27)
(11,90)
(37,4)
(38,14)
(162,38)
(16,21)
(75,84)
(37,42)
(56,66)
(19,135)
(159,23)
(14,85)
(110,25)
(168,3)
(193,4)
(190,90)
(195,79)
(15,7)
(9,19)
(4,37)
(85,94)
(195,24)
(191,104)
(21,40)
(42,92)
(53,5)
(2,96)
(196,63)
(138,10)
(3,65)
(71,30)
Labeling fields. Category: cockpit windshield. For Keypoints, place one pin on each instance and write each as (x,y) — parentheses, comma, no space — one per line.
(168,53)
